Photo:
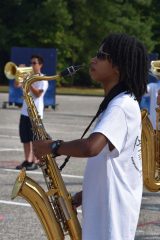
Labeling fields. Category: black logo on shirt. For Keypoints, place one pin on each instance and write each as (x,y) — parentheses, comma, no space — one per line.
(137,150)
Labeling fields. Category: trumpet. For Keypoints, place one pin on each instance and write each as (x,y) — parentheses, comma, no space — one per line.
(155,68)
(11,71)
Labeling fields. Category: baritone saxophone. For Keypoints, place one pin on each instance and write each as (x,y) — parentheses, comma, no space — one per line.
(151,143)
(54,206)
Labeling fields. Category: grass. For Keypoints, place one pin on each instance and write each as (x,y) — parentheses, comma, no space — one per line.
(69,91)
(79,91)
(3,89)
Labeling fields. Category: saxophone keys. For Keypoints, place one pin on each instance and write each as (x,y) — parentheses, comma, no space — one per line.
(51,192)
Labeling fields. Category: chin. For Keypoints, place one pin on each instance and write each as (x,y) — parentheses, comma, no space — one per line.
(92,75)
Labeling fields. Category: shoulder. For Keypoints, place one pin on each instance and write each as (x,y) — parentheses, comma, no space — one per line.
(125,103)
(123,100)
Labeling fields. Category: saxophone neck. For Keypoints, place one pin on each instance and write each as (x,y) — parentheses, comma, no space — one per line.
(70,71)
(28,81)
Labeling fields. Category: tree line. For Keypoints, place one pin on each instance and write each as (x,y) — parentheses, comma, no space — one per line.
(75,28)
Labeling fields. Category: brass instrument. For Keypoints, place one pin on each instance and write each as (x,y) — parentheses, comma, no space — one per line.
(155,68)
(151,143)
(53,207)
(151,151)
(11,71)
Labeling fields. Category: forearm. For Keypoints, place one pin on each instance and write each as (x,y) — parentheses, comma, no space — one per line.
(76,148)
(37,92)
(88,147)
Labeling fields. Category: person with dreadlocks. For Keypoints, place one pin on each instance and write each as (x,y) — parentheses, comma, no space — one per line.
(113,182)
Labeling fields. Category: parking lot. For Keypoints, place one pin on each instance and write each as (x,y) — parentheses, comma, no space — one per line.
(68,121)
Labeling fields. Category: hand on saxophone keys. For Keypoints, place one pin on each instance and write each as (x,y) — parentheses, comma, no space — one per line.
(77,199)
(42,148)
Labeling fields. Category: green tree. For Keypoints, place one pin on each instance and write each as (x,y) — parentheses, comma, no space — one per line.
(75,27)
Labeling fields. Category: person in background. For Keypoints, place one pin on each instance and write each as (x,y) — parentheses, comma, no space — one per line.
(113,183)
(38,90)
(152,92)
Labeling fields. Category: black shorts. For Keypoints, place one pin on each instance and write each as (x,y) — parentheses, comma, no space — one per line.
(25,129)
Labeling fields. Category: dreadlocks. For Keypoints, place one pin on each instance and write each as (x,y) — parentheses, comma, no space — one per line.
(130,56)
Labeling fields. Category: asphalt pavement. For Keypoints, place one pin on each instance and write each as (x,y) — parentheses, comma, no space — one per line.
(68,121)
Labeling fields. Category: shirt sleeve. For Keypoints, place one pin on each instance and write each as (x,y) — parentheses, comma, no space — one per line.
(112,123)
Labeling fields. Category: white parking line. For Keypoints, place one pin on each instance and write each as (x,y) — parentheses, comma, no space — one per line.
(40,173)
(139,231)
(72,176)
(23,204)
(8,136)
(15,203)
(11,149)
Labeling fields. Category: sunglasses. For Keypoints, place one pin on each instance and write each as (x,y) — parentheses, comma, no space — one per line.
(102,55)
(34,63)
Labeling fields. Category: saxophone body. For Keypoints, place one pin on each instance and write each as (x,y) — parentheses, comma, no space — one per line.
(151,151)
(54,206)
(151,143)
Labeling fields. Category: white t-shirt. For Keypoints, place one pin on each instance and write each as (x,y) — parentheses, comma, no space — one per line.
(39,101)
(152,89)
(113,182)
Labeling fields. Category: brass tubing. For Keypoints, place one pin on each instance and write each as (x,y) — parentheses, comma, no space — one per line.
(36,196)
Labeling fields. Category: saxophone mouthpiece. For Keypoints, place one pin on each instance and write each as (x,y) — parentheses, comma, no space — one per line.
(70,71)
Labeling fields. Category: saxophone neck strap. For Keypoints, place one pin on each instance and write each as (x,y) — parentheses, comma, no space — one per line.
(119,88)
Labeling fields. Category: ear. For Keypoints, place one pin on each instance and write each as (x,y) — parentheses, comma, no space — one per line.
(116,69)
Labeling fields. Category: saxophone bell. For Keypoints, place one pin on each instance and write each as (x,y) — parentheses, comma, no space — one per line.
(11,71)
(155,68)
